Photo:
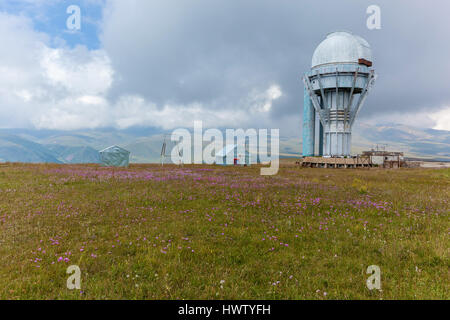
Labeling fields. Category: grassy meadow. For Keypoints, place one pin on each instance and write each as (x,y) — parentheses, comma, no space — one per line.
(213,232)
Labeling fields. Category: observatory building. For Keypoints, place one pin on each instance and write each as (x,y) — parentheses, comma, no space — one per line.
(335,90)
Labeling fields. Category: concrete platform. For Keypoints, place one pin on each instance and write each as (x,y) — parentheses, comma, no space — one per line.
(320,162)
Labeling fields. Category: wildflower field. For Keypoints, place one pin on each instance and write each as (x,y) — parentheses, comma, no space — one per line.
(212,232)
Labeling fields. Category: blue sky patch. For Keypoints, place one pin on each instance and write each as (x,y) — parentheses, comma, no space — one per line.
(51,16)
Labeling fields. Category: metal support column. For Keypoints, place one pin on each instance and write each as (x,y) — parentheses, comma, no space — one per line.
(309,116)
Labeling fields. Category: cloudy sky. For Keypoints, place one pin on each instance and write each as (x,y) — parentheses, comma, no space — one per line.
(230,63)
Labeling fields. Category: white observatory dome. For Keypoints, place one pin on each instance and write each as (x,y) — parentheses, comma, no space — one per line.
(341,47)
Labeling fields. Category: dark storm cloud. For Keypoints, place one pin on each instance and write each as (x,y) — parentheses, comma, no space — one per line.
(215,52)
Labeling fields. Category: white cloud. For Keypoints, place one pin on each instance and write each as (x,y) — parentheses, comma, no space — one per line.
(93,100)
(442,119)
(77,70)
(439,120)
(64,88)
(47,87)
(262,101)
(71,88)
(136,111)
(62,118)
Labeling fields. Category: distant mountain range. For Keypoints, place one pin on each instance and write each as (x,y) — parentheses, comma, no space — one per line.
(414,142)
(47,146)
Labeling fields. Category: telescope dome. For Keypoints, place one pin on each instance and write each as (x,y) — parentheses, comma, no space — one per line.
(342,47)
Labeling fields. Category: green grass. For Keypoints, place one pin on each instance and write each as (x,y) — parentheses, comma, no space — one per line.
(197,232)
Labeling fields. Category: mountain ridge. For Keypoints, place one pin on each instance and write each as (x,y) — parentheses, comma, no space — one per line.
(81,146)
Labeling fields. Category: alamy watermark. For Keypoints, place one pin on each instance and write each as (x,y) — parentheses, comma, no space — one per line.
(74,280)
(374,281)
(374,20)
(73,22)
(241,146)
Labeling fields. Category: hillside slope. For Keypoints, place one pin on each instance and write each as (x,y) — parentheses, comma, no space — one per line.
(145,144)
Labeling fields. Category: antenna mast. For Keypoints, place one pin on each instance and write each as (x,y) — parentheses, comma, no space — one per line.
(164,155)
(163,151)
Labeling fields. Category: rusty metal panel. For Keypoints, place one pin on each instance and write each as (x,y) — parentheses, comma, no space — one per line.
(365,62)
